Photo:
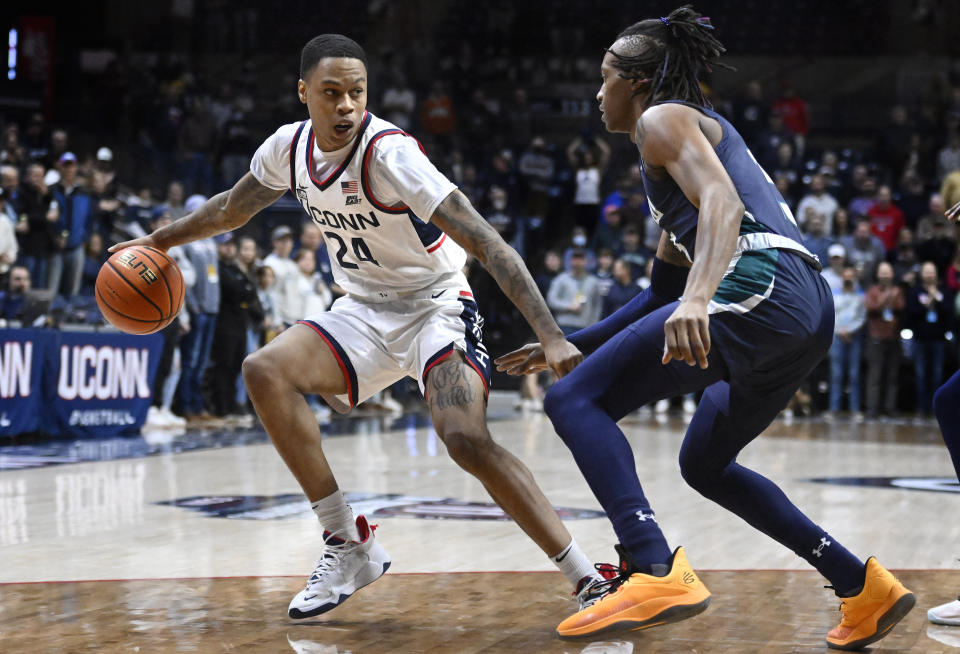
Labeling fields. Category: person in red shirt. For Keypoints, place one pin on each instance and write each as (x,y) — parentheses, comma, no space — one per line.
(794,111)
(886,219)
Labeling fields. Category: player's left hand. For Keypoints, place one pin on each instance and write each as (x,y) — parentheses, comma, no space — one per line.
(687,334)
(523,361)
(953,213)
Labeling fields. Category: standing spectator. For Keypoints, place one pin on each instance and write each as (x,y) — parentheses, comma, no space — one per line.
(536,168)
(885,304)
(751,113)
(107,210)
(198,140)
(935,210)
(929,314)
(845,352)
(588,159)
(864,198)
(833,272)
(841,223)
(312,239)
(287,277)
(771,138)
(10,183)
(864,250)
(821,202)
(950,191)
(76,215)
(12,151)
(886,218)
(8,236)
(93,258)
(604,272)
(574,296)
(175,202)
(622,290)
(609,230)
(313,296)
(436,114)
(786,165)
(399,101)
(36,225)
(939,247)
(203,303)
(903,258)
(238,304)
(948,159)
(236,145)
(796,118)
(815,238)
(266,293)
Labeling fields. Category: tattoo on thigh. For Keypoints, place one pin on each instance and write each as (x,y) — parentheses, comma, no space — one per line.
(450,385)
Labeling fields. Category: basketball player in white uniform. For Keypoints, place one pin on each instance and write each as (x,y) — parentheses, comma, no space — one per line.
(396,230)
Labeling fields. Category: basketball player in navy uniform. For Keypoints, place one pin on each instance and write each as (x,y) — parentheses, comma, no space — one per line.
(946,407)
(754,317)
(397,231)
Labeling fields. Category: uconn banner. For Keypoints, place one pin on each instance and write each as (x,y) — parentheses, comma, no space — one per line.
(75,384)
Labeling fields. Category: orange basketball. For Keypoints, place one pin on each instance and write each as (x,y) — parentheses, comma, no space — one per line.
(139,290)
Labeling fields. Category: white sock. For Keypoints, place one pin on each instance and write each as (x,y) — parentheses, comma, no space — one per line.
(573,563)
(336,516)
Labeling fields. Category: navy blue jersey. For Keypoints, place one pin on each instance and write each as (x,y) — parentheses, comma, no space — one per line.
(767,227)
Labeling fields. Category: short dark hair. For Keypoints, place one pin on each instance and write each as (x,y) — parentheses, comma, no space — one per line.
(329,45)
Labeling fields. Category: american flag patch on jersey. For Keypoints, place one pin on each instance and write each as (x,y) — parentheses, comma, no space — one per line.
(349,188)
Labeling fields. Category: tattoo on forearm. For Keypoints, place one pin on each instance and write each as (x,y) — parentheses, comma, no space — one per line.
(457,218)
(450,386)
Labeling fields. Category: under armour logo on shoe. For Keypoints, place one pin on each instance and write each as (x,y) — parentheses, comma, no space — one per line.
(823,543)
(645,516)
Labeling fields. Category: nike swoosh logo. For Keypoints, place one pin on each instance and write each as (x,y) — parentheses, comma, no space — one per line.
(305,598)
(438,294)
(562,556)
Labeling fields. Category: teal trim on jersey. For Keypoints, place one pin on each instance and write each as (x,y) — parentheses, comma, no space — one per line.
(750,226)
(750,277)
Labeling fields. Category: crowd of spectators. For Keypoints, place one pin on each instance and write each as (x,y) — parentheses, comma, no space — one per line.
(574,210)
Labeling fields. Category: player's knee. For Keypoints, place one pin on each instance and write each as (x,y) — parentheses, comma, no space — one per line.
(561,400)
(257,369)
(469,449)
(699,474)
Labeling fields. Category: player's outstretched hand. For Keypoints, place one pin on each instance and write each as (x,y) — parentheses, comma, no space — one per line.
(953,213)
(562,356)
(143,240)
(524,361)
(687,334)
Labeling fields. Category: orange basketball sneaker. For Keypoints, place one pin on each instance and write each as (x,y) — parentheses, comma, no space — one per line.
(638,601)
(870,615)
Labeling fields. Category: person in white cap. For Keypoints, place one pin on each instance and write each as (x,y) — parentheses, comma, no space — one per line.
(837,259)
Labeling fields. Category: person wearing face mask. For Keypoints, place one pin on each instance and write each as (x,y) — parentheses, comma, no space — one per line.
(851,313)
(578,241)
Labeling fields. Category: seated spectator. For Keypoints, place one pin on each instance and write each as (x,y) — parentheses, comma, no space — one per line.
(820,202)
(604,271)
(503,219)
(833,271)
(11,301)
(552,266)
(8,236)
(815,239)
(885,303)
(851,313)
(786,166)
(929,314)
(934,214)
(841,223)
(864,250)
(574,296)
(623,290)
(886,218)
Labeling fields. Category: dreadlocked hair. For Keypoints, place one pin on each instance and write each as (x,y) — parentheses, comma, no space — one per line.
(669,54)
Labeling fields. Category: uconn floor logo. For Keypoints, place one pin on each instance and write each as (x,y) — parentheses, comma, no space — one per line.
(104,373)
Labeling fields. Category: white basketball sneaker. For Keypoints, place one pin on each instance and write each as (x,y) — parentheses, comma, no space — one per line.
(948,614)
(344,568)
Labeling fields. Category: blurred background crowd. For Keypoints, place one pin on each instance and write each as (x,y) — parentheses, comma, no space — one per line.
(133,120)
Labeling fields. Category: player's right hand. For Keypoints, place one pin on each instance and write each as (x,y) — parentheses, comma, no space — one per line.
(562,356)
(524,361)
(953,213)
(143,240)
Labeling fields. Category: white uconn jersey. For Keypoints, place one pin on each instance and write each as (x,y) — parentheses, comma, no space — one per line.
(376,251)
